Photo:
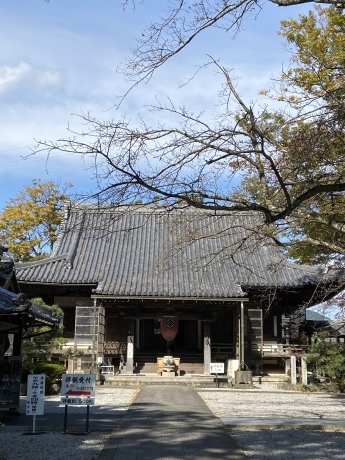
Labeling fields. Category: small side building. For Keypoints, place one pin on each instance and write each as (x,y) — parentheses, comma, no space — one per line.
(19,319)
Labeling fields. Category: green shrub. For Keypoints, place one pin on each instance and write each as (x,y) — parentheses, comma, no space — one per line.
(326,357)
(53,372)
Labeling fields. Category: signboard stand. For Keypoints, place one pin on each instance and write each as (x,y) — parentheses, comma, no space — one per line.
(87,419)
(35,397)
(78,390)
(65,419)
(217,368)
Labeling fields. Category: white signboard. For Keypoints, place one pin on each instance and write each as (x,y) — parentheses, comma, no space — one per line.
(217,368)
(35,394)
(78,389)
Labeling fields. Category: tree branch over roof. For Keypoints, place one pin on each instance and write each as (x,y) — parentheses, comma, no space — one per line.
(285,161)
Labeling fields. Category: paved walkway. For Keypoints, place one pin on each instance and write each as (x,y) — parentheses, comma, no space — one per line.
(168,423)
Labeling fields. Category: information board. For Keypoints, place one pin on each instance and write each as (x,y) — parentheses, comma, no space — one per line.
(78,389)
(35,394)
(217,368)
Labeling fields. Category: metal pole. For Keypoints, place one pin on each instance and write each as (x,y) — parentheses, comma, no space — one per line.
(65,419)
(242,335)
(87,418)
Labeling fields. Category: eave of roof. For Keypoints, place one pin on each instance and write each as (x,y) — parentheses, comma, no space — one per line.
(166,299)
(17,306)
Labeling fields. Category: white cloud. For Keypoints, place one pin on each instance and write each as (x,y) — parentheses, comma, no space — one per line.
(10,76)
(24,73)
(46,77)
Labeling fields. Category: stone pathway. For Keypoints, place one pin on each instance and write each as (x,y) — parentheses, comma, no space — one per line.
(170,422)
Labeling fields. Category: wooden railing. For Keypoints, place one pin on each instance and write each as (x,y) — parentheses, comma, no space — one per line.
(280,349)
(225,349)
(107,370)
(115,348)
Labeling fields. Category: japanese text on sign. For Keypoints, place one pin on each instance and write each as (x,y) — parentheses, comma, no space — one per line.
(78,389)
(35,394)
(78,401)
(217,368)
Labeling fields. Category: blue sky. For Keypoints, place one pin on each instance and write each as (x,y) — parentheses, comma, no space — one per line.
(61,58)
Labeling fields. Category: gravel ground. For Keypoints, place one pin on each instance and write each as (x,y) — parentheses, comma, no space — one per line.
(264,404)
(283,444)
(56,445)
(291,444)
(259,444)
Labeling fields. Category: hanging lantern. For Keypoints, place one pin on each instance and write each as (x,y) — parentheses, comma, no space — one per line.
(169,327)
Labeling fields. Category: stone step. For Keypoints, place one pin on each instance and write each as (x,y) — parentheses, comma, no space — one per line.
(195,380)
(271,378)
(137,380)
(190,367)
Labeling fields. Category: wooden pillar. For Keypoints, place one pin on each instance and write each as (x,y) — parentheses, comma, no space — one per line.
(94,347)
(130,347)
(242,336)
(199,335)
(275,326)
(207,347)
(137,333)
(17,343)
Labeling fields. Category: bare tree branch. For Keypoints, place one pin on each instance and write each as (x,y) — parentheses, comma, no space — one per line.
(209,165)
(183,21)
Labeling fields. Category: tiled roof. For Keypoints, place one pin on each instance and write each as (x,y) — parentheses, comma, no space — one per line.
(19,306)
(14,306)
(153,251)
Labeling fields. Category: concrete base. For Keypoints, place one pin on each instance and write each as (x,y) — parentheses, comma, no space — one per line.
(242,386)
(168,375)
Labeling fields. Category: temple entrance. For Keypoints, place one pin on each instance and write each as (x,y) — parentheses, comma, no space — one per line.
(150,338)
(187,337)
(222,338)
(187,346)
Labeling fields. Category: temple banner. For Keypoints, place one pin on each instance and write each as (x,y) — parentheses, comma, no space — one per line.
(169,327)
